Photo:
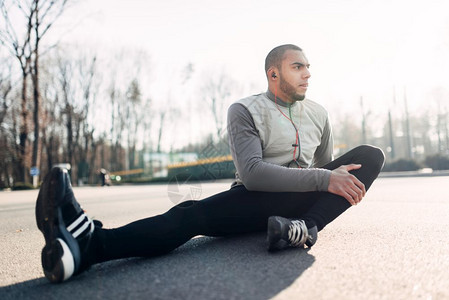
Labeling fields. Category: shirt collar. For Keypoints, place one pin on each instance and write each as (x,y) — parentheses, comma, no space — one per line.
(278,100)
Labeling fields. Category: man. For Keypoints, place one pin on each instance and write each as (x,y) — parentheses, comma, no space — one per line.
(286,183)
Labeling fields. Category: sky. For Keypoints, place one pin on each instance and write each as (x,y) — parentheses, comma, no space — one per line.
(370,49)
(353,46)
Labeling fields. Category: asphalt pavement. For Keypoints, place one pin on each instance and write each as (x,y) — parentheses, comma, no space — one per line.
(394,245)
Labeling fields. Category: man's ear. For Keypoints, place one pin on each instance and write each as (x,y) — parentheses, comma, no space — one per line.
(272,73)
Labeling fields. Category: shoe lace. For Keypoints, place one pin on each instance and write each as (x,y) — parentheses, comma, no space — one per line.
(297,233)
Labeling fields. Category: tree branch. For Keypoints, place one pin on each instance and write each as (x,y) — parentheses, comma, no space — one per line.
(19,6)
(52,21)
(9,29)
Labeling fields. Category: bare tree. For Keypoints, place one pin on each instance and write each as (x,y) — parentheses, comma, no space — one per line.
(168,114)
(5,141)
(346,132)
(5,90)
(39,16)
(134,117)
(147,125)
(162,115)
(89,86)
(21,49)
(217,91)
(128,114)
(52,122)
(118,121)
(44,13)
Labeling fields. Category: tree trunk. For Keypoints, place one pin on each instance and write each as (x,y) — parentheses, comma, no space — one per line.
(35,77)
(23,135)
(69,127)
(161,127)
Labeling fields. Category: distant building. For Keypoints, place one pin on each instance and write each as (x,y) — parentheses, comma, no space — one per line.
(156,164)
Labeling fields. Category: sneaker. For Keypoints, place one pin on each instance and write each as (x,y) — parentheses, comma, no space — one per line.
(66,228)
(283,233)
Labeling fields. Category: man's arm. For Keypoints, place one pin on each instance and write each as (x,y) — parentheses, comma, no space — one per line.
(258,175)
(341,182)
(323,153)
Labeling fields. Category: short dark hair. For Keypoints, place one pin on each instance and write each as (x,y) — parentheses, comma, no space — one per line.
(274,58)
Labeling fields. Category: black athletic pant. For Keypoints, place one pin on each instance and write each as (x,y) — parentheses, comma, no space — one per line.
(232,212)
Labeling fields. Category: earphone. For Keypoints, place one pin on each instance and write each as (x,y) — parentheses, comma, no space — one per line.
(273,75)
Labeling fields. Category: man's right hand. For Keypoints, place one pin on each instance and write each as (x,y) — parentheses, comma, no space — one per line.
(345,184)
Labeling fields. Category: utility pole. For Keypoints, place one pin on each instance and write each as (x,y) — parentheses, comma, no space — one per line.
(407,128)
(446,131)
(390,129)
(440,142)
(363,121)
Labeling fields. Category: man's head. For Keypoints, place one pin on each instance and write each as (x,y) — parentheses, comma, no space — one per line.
(274,58)
(287,71)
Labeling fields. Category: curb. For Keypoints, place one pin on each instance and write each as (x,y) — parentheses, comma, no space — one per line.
(421,173)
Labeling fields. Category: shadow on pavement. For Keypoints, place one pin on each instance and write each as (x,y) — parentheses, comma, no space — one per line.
(204,268)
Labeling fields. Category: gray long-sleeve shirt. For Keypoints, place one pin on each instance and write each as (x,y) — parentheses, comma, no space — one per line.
(261,139)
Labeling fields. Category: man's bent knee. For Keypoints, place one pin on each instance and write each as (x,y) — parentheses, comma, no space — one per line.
(375,154)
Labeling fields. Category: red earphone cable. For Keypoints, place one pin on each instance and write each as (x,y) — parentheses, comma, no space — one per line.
(297,134)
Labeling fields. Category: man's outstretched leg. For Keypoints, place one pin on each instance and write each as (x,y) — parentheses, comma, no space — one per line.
(74,242)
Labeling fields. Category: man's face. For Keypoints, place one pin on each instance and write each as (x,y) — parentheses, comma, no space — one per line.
(294,76)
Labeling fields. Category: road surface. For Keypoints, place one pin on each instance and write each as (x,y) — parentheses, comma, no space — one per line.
(394,245)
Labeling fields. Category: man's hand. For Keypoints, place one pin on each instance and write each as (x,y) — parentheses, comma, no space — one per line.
(344,184)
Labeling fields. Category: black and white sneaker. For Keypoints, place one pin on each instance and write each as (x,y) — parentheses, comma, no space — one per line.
(283,233)
(66,228)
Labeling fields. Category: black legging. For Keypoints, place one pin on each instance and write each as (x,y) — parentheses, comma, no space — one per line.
(232,212)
